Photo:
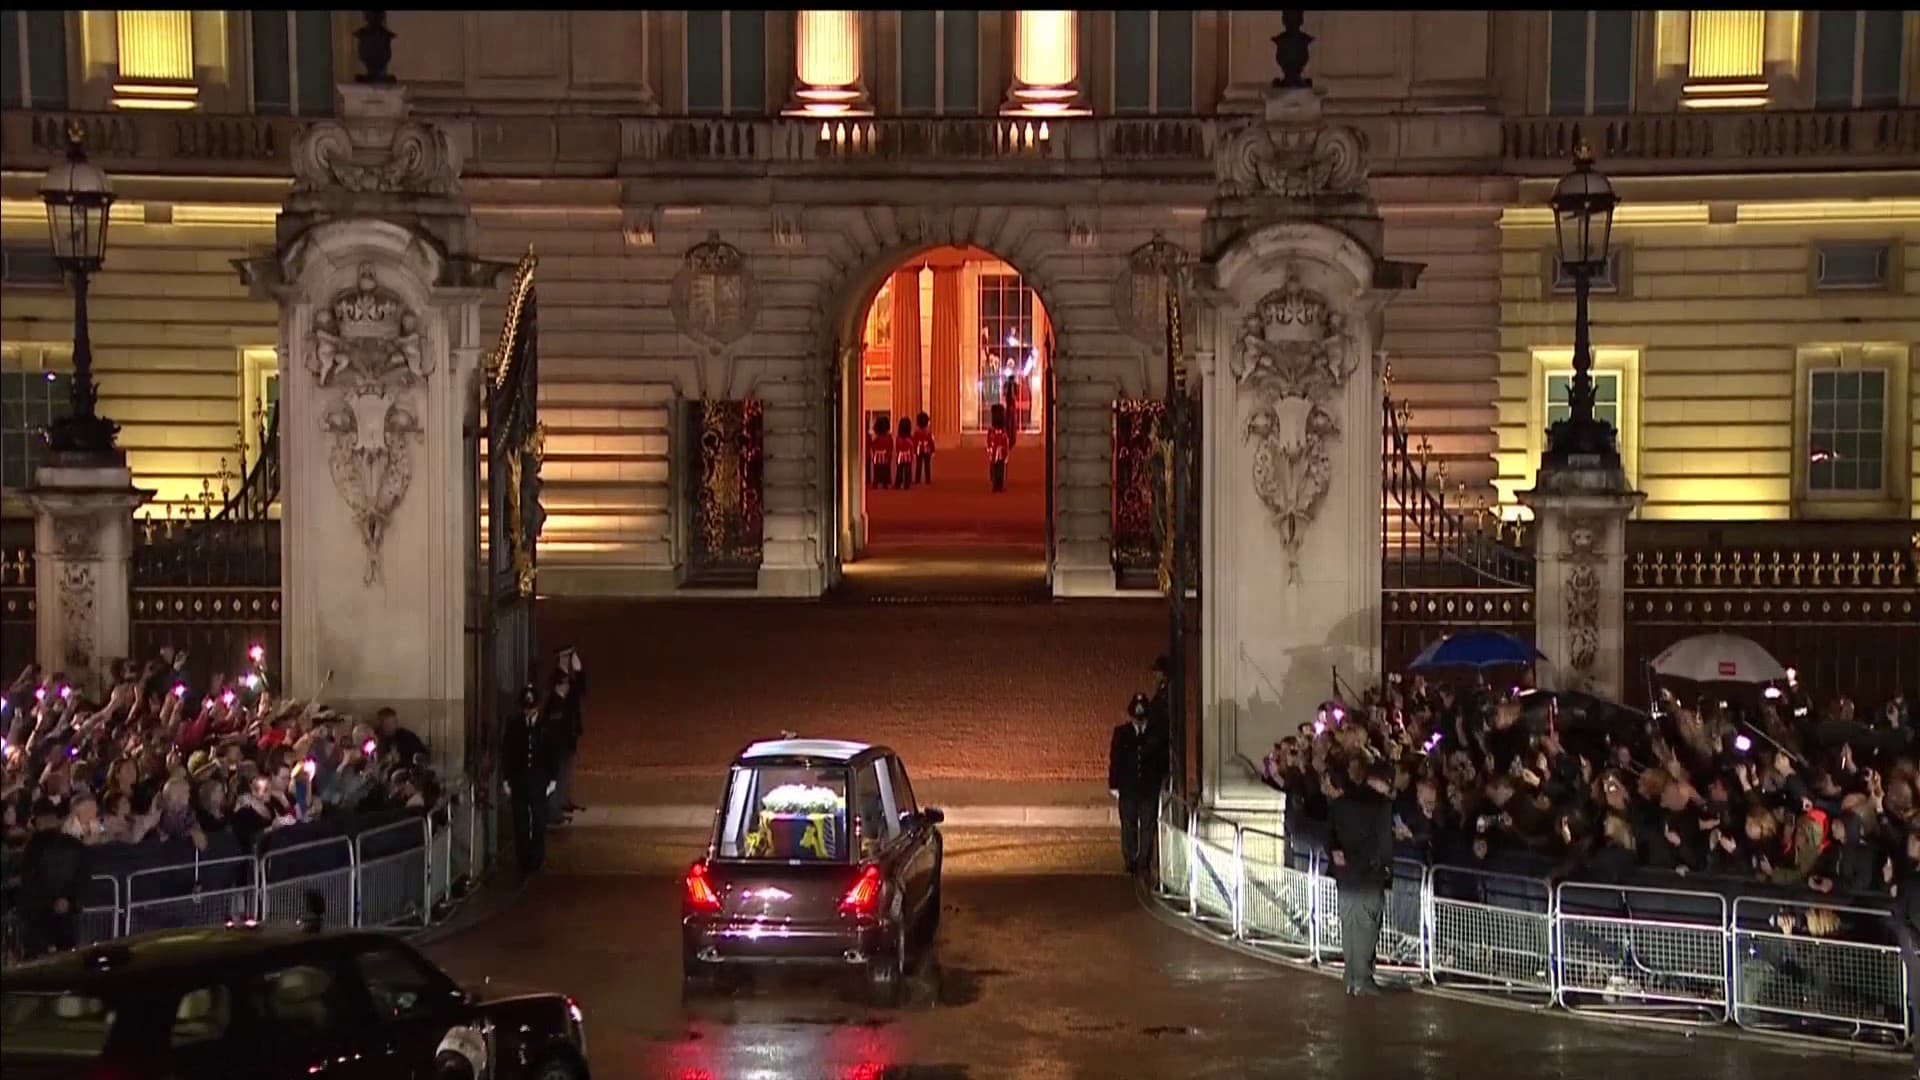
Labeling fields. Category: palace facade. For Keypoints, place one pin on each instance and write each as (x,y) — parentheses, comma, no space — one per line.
(718,198)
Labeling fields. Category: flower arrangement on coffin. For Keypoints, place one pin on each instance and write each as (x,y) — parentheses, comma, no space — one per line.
(800,821)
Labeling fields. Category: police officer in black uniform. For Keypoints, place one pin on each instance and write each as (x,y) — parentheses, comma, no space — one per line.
(1136,769)
(528,756)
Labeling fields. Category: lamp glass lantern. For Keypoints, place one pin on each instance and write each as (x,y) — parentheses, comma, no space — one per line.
(79,200)
(1583,204)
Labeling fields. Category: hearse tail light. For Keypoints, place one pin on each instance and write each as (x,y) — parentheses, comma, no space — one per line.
(700,895)
(863,899)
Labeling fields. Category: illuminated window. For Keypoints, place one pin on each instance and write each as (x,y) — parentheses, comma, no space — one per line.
(1846,431)
(156,60)
(292,63)
(727,62)
(1153,61)
(1727,44)
(1606,398)
(1007,366)
(1589,62)
(259,393)
(826,65)
(1857,60)
(35,45)
(940,62)
(34,389)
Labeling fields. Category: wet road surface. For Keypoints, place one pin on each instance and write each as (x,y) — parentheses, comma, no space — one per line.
(1062,976)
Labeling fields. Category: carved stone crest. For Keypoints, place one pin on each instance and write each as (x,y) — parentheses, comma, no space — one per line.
(1292,153)
(1582,588)
(76,614)
(713,295)
(1293,360)
(1140,290)
(367,349)
(77,537)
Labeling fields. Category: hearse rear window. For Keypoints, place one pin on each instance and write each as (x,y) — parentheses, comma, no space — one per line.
(45,1025)
(785,813)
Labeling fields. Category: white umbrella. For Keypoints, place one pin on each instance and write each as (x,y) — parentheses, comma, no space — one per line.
(1711,658)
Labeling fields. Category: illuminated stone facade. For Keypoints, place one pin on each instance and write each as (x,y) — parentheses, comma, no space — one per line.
(1771,236)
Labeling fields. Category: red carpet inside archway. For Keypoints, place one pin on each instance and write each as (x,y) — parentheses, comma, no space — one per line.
(961,509)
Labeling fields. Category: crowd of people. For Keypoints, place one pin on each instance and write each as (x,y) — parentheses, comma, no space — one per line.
(159,757)
(1776,789)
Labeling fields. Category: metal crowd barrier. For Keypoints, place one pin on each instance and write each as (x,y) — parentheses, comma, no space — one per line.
(407,873)
(1634,953)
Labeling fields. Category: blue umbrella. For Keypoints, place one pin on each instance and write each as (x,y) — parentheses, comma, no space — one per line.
(1477,649)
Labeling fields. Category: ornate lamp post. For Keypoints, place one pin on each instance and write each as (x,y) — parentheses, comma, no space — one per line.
(79,199)
(1583,204)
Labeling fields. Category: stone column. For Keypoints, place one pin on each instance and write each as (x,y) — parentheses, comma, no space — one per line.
(380,342)
(83,555)
(1580,548)
(1289,288)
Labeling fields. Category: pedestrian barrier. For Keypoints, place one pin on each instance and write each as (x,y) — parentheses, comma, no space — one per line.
(1804,968)
(205,893)
(98,921)
(392,882)
(288,875)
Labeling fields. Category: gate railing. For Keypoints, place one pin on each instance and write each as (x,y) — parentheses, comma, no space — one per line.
(405,874)
(1650,955)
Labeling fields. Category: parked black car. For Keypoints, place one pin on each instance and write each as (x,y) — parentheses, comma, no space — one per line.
(254,1003)
(820,857)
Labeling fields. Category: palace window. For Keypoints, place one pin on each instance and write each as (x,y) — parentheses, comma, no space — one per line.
(34,388)
(1046,65)
(1606,398)
(292,62)
(156,60)
(1153,61)
(1726,59)
(1009,354)
(259,393)
(35,46)
(727,62)
(1857,58)
(1589,62)
(30,264)
(1846,431)
(940,62)
(1850,266)
(1606,280)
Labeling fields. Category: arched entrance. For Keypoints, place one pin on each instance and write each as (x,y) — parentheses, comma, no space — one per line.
(956,343)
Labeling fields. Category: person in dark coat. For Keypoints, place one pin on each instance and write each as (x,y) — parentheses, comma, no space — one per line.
(1906,927)
(53,873)
(1160,705)
(1360,842)
(565,724)
(1136,768)
(527,758)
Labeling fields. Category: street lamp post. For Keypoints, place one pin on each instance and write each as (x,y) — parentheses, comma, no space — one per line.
(79,199)
(1583,204)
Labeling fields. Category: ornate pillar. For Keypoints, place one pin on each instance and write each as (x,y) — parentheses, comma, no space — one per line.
(904,378)
(1292,277)
(949,337)
(380,342)
(1580,544)
(83,555)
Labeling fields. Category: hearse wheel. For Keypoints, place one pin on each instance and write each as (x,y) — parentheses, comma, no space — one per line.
(887,972)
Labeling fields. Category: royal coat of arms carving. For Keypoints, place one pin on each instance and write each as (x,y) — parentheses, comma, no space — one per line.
(1583,600)
(1293,360)
(368,353)
(1140,290)
(713,295)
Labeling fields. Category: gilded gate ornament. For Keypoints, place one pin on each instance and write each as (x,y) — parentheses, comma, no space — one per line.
(1294,359)
(367,348)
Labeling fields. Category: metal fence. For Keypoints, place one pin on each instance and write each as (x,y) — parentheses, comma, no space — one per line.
(1806,969)
(407,873)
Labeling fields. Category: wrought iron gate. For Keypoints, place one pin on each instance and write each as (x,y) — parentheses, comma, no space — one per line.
(514,439)
(1445,564)
(725,490)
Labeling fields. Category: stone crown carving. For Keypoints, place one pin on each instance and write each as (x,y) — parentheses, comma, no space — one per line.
(366,350)
(1292,153)
(1140,290)
(1293,360)
(713,296)
(375,148)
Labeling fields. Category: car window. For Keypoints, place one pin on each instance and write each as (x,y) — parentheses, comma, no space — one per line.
(43,1024)
(903,800)
(785,813)
(299,998)
(401,985)
(877,827)
(203,1015)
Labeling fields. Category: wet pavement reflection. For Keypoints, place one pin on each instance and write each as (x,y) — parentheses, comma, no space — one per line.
(1042,978)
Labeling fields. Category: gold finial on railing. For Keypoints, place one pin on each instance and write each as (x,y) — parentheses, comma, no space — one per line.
(1717,568)
(1441,470)
(226,479)
(1405,413)
(206,497)
(18,562)
(1425,447)
(1874,567)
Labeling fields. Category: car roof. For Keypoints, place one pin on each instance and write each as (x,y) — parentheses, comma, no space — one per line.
(172,953)
(838,750)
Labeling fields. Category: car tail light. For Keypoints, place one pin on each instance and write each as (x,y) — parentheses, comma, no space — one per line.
(864,898)
(700,895)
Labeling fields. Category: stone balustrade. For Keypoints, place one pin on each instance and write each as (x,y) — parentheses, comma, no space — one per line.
(1170,147)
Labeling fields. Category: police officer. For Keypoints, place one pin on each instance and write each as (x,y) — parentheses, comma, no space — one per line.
(527,756)
(1136,768)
